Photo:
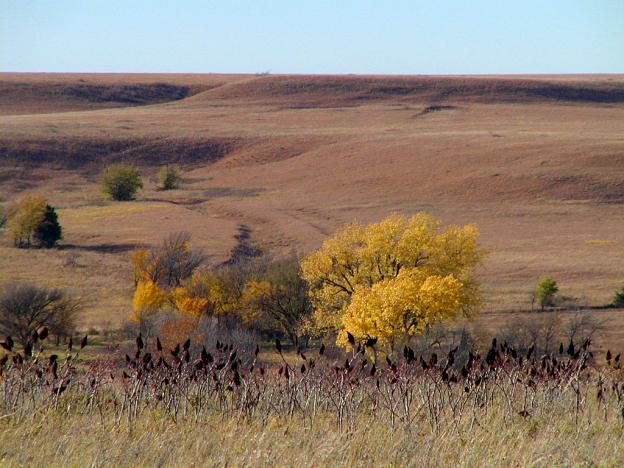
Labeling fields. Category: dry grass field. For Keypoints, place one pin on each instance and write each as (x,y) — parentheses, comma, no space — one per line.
(536,161)
(147,442)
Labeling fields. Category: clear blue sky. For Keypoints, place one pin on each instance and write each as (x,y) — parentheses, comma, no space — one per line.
(338,36)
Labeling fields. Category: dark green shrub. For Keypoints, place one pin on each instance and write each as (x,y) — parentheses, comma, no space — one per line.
(618,299)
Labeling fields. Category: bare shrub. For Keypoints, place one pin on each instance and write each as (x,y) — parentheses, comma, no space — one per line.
(582,325)
(441,338)
(276,300)
(129,330)
(25,307)
(543,332)
(171,263)
(174,327)
(227,331)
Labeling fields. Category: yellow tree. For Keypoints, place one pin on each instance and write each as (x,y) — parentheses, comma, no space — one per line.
(390,280)
(206,293)
(149,298)
(159,274)
(24,217)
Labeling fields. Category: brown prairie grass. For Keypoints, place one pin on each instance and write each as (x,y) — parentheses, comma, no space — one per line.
(54,440)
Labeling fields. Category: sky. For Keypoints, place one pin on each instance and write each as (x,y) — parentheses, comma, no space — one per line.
(339,36)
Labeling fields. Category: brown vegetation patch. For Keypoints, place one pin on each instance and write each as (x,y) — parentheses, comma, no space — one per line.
(272,150)
(430,109)
(563,187)
(82,153)
(110,248)
(25,93)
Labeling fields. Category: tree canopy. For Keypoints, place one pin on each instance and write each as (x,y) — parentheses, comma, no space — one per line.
(389,280)
(48,231)
(618,298)
(545,292)
(276,299)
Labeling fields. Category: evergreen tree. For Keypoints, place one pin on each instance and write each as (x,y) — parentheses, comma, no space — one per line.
(48,231)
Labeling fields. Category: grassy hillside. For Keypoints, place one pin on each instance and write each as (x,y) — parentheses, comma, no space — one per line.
(52,92)
(537,162)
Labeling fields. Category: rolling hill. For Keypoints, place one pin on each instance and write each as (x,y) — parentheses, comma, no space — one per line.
(536,161)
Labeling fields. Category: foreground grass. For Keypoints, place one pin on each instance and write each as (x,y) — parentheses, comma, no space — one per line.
(52,439)
(185,406)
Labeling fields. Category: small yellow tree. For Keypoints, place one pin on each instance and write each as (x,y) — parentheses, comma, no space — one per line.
(206,293)
(149,298)
(24,217)
(390,280)
(159,274)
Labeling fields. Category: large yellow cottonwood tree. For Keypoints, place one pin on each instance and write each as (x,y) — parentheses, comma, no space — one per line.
(390,280)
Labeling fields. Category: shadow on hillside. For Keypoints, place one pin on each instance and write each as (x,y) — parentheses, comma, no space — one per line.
(91,155)
(222,192)
(435,108)
(109,248)
(17,180)
(194,180)
(185,202)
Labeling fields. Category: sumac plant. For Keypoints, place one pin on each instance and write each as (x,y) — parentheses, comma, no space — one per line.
(191,382)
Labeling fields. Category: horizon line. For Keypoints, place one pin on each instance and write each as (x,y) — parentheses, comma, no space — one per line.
(269,73)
